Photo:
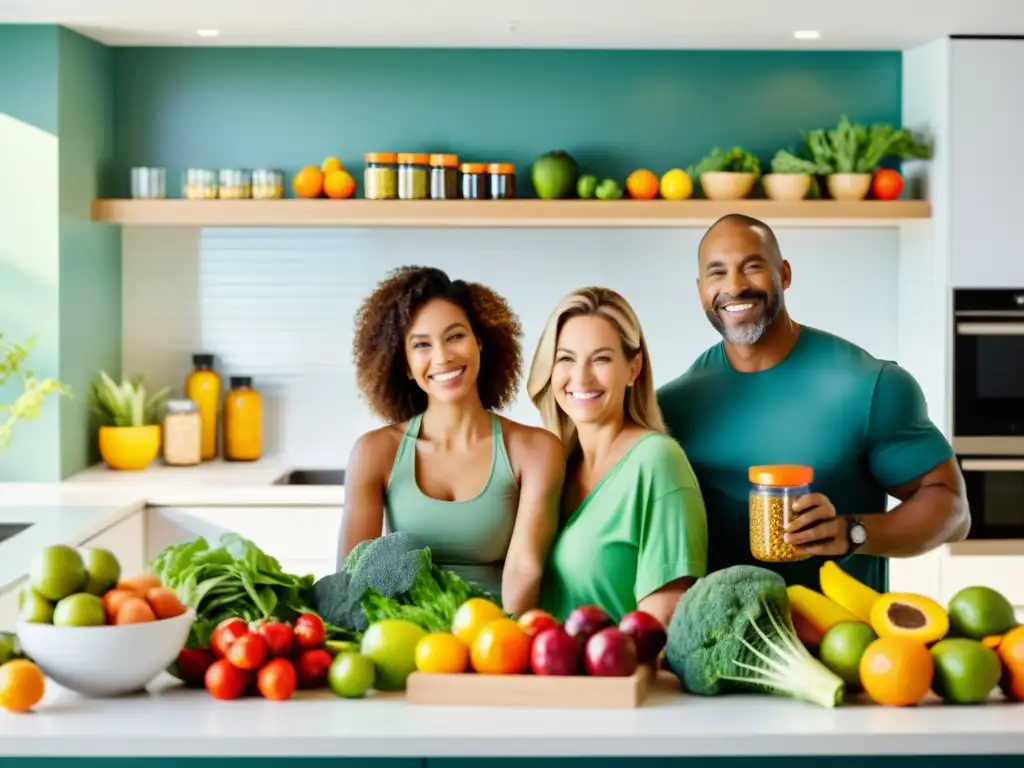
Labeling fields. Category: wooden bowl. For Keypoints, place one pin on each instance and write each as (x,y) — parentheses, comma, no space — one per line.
(786,186)
(727,185)
(849,186)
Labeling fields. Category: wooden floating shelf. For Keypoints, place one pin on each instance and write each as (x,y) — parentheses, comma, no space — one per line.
(501,213)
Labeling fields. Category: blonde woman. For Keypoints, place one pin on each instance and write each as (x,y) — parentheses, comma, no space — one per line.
(634,532)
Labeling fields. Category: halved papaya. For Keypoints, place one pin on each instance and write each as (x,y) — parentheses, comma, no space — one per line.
(902,614)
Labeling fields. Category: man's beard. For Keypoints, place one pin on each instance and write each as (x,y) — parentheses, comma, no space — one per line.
(748,333)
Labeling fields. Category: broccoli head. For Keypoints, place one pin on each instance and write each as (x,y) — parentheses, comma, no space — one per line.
(732,631)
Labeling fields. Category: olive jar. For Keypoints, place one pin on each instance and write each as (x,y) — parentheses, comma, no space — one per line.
(773,489)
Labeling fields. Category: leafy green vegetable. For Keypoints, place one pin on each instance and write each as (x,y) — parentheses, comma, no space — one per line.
(735,160)
(850,148)
(392,577)
(29,402)
(235,579)
(126,404)
(732,631)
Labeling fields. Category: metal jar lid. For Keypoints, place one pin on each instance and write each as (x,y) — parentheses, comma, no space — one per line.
(181,406)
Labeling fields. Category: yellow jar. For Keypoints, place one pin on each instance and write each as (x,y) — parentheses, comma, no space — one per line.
(243,421)
(202,387)
(773,489)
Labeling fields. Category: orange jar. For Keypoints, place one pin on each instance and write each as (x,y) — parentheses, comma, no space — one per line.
(243,421)
(203,388)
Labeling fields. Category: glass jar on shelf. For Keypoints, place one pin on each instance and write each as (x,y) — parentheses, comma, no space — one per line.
(182,434)
(502,178)
(413,176)
(444,177)
(149,183)
(243,421)
(474,181)
(773,489)
(380,179)
(235,184)
(200,184)
(267,184)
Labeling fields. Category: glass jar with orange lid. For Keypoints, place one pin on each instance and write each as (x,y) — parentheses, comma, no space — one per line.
(413,176)
(773,489)
(444,177)
(502,178)
(380,178)
(243,421)
(474,181)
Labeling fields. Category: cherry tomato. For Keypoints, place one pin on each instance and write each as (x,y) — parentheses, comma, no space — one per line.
(225,635)
(279,636)
(192,664)
(248,652)
(309,630)
(887,184)
(225,681)
(277,680)
(312,666)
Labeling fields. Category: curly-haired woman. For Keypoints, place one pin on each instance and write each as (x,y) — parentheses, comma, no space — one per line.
(435,358)
(635,532)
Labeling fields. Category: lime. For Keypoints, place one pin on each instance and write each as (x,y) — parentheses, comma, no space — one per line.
(9,647)
(34,608)
(391,645)
(101,568)
(338,647)
(842,647)
(57,572)
(351,675)
(79,610)
(965,670)
(977,612)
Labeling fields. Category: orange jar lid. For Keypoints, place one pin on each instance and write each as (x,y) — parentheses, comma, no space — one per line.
(474,168)
(413,158)
(382,157)
(782,475)
(447,161)
(501,168)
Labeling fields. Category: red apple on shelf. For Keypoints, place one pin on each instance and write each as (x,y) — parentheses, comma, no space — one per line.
(535,621)
(554,652)
(587,620)
(648,634)
(611,653)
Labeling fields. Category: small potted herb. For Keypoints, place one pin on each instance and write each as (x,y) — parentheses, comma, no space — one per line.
(726,175)
(792,177)
(129,436)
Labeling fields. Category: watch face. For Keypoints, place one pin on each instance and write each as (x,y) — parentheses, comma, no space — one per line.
(857,534)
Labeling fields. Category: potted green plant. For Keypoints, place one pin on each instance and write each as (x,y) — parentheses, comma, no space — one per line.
(726,175)
(129,437)
(792,177)
(28,403)
(849,154)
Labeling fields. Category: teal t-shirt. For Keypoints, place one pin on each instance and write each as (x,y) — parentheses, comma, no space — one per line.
(860,422)
(641,527)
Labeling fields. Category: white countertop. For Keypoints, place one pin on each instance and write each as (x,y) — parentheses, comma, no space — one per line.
(175,721)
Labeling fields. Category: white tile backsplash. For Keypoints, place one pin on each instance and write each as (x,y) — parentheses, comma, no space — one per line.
(278,304)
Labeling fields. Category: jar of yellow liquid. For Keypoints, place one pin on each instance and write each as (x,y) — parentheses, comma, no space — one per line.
(243,421)
(203,388)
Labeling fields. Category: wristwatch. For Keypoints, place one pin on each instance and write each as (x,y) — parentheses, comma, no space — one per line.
(856,533)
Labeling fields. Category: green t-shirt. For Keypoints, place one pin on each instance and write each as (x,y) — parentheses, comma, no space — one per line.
(641,527)
(860,422)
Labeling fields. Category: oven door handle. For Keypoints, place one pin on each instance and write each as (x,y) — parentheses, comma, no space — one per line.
(990,329)
(992,465)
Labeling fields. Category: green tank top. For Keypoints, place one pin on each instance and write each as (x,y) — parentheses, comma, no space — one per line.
(468,537)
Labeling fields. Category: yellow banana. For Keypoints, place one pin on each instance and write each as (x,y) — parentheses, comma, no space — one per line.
(819,611)
(853,595)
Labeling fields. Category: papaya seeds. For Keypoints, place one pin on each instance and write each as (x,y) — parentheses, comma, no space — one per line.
(898,614)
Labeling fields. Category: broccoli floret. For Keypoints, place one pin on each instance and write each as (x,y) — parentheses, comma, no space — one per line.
(732,632)
(355,555)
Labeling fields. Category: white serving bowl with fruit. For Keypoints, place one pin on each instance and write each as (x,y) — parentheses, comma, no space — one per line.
(94,632)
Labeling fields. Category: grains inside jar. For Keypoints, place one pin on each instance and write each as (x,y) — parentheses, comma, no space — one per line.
(772,495)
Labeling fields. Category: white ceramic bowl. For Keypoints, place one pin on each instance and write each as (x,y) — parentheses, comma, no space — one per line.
(109,660)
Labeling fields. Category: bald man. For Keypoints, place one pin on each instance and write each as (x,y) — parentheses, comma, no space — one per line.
(776,392)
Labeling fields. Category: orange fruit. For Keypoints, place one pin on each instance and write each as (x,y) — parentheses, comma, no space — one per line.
(642,184)
(1010,648)
(441,653)
(501,648)
(309,182)
(472,616)
(339,184)
(331,164)
(22,685)
(897,671)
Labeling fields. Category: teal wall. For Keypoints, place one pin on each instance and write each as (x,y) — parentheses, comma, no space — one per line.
(614,110)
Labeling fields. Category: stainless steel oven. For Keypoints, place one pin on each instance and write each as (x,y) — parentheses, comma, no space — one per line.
(988,407)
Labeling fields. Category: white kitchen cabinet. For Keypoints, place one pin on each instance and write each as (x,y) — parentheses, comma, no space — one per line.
(9,607)
(303,538)
(986,166)
(127,542)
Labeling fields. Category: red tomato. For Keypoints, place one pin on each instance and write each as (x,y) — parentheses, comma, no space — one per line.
(248,652)
(309,630)
(279,636)
(887,184)
(277,680)
(225,635)
(192,664)
(312,666)
(225,681)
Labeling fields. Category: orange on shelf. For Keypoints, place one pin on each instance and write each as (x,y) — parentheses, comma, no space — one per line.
(309,182)
(339,185)
(642,184)
(501,648)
